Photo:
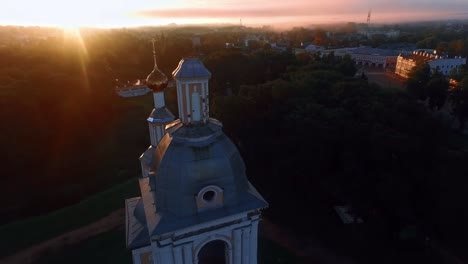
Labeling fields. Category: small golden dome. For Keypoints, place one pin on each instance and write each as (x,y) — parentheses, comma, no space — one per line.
(157,80)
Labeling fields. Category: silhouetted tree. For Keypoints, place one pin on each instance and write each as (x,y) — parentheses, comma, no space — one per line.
(437,90)
(418,79)
(459,97)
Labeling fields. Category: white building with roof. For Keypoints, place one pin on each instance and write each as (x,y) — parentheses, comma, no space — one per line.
(314,48)
(196,205)
(405,63)
(366,56)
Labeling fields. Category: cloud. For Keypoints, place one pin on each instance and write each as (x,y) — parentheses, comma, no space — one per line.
(220,13)
(256,9)
(350,10)
(258,12)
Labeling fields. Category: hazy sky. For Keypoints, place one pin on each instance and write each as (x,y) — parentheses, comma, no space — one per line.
(117,13)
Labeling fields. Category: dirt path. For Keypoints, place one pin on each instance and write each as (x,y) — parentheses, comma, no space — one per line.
(29,255)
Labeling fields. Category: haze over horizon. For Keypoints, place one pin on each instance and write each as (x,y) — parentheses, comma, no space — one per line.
(124,13)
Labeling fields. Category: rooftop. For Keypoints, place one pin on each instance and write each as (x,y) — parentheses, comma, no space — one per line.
(375,51)
(190,68)
(160,115)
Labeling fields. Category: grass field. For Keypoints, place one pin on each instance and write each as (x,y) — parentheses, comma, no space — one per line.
(21,234)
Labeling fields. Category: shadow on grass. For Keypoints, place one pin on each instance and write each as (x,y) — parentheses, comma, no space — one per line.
(105,248)
(25,233)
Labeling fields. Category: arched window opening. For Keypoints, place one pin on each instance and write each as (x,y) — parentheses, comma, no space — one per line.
(214,252)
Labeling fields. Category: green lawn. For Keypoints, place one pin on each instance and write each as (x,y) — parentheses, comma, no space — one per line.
(22,234)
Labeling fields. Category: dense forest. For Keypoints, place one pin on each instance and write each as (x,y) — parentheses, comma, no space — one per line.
(313,135)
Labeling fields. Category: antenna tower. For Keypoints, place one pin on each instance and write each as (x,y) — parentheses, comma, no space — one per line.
(368,22)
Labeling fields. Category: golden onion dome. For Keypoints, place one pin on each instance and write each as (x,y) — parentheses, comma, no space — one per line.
(156,80)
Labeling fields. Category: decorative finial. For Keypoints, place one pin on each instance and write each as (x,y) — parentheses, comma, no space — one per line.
(154,54)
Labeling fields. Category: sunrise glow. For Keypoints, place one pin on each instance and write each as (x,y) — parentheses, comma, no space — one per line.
(124,13)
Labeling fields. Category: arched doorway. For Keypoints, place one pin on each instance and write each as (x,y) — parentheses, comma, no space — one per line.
(214,252)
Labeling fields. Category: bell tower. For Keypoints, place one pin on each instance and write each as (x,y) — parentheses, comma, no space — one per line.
(192,91)
(197,205)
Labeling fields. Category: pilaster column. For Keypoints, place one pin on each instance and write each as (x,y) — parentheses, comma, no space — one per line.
(177,252)
(245,245)
(253,242)
(136,257)
(237,246)
(166,255)
(188,254)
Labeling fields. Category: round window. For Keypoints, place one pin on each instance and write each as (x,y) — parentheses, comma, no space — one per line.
(209,196)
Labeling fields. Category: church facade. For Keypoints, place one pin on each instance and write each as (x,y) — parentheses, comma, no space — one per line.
(196,205)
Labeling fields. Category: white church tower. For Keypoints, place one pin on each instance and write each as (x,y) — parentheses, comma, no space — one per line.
(197,205)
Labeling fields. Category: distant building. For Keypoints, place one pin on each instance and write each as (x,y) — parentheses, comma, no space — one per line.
(314,48)
(308,49)
(137,88)
(380,58)
(392,33)
(255,38)
(279,47)
(196,42)
(128,89)
(405,63)
(366,56)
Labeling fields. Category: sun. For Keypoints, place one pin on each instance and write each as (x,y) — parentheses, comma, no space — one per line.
(88,13)
(73,33)
(68,14)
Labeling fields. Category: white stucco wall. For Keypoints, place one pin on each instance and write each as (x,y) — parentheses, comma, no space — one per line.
(240,239)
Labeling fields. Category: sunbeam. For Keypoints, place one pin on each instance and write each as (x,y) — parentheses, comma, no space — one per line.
(73,35)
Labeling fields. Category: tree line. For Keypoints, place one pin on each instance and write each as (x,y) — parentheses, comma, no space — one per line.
(316,136)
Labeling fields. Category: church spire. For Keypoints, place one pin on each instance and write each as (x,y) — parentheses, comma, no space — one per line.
(154,55)
(157,81)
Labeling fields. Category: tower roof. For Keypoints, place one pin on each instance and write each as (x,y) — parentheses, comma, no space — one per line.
(190,158)
(191,68)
